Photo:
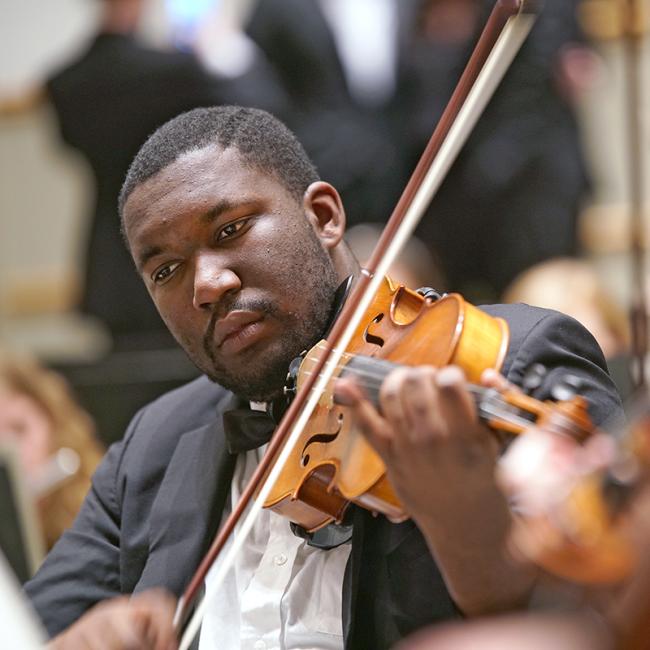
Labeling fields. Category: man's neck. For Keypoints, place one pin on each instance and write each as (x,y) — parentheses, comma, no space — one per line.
(340,296)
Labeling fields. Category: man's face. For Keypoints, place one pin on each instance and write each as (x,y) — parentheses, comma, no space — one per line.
(234,266)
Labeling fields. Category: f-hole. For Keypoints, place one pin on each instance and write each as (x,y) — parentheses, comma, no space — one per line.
(371,338)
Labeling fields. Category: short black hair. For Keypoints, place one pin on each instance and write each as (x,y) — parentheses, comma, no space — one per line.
(262,141)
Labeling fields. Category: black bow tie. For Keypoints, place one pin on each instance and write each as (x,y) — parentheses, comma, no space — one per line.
(247,429)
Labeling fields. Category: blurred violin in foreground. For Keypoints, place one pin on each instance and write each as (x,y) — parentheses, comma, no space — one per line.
(578,502)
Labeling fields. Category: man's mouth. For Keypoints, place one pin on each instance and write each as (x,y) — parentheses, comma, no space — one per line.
(238,330)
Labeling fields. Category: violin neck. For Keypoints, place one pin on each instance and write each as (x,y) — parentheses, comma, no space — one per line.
(491,407)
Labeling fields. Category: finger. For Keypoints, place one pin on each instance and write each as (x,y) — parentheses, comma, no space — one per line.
(420,404)
(456,406)
(111,629)
(391,400)
(154,612)
(365,416)
(124,634)
(108,629)
(491,378)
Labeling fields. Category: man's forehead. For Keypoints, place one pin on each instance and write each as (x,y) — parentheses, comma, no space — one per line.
(185,168)
(189,174)
(197,180)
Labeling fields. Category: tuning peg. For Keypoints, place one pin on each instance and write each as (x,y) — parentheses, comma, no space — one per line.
(567,388)
(533,378)
(291,382)
(430,294)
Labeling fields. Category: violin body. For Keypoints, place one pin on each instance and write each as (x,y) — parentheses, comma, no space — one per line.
(332,466)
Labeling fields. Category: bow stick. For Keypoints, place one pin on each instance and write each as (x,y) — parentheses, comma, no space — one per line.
(506,29)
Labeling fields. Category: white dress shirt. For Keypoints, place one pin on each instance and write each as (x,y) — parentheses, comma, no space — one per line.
(365,34)
(281,594)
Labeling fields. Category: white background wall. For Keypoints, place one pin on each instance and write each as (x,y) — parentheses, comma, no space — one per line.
(45,189)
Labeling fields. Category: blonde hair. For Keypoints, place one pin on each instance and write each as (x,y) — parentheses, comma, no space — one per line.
(71,427)
(568,285)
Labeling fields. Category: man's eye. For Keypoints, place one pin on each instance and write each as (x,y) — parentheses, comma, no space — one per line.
(163,273)
(231,229)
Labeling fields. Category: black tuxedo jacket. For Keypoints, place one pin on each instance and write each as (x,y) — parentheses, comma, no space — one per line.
(158,496)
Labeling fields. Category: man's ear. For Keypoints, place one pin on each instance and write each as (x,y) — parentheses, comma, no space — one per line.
(324,209)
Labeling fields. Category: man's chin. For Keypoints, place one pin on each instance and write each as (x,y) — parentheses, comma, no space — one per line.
(260,376)
(256,389)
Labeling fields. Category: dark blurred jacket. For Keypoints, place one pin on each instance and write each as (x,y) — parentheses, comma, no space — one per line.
(353,146)
(512,197)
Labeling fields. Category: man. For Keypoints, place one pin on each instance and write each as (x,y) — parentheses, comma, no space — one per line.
(241,248)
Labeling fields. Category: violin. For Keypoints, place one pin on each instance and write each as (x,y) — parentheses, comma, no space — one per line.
(332,466)
(585,531)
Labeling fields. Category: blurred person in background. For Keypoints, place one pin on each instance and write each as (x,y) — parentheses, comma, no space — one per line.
(369,79)
(513,196)
(337,61)
(572,286)
(39,416)
(108,101)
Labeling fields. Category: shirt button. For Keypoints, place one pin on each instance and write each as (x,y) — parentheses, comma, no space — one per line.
(280,559)
(259,645)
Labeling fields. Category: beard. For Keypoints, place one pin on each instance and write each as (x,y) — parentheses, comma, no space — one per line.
(309,279)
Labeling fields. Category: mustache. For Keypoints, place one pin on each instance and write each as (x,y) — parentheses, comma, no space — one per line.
(263,305)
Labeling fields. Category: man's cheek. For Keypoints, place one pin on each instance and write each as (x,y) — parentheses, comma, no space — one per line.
(185,331)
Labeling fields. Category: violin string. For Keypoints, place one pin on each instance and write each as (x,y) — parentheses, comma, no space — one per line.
(368,374)
(364,374)
(478,392)
(492,412)
(562,420)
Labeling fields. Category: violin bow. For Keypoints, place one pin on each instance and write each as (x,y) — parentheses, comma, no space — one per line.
(506,29)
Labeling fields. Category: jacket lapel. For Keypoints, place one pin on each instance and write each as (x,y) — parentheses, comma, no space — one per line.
(189,505)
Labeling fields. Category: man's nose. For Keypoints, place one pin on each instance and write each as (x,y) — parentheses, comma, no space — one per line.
(211,281)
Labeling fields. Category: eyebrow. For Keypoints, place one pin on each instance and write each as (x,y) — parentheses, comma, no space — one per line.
(217,210)
(146,255)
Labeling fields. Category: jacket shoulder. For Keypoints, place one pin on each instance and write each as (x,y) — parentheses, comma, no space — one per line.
(160,424)
(564,348)
(188,406)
